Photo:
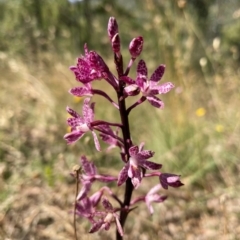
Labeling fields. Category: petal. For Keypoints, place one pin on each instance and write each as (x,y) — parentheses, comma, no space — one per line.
(107,225)
(82,71)
(137,177)
(84,207)
(133,151)
(73,136)
(88,111)
(81,91)
(95,198)
(153,91)
(127,80)
(141,146)
(150,165)
(123,175)
(84,191)
(73,122)
(73,113)
(107,205)
(96,62)
(154,198)
(154,189)
(157,75)
(156,102)
(162,89)
(143,155)
(119,227)
(140,82)
(96,142)
(96,226)
(131,170)
(150,207)
(105,178)
(132,90)
(142,69)
(108,138)
(88,166)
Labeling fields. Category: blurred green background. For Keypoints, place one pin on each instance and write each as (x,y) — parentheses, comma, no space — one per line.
(197,135)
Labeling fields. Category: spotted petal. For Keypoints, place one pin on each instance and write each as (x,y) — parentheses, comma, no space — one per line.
(162,89)
(73,136)
(150,165)
(127,80)
(156,102)
(73,122)
(82,71)
(81,91)
(143,155)
(142,69)
(107,205)
(96,226)
(73,113)
(88,111)
(157,75)
(133,150)
(123,175)
(88,166)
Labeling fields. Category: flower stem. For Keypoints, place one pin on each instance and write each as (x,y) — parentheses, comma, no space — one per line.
(77,170)
(127,144)
(100,92)
(141,100)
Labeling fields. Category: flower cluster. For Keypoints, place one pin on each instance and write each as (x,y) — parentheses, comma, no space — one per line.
(97,208)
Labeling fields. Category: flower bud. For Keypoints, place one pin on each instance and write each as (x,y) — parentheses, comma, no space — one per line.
(112,27)
(136,46)
(169,179)
(116,43)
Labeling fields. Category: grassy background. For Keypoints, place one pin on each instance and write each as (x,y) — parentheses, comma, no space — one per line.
(197,135)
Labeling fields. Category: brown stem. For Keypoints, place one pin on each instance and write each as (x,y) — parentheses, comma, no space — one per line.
(76,170)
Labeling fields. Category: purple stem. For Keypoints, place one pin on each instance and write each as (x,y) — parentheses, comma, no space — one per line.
(101,122)
(112,80)
(108,76)
(99,92)
(113,195)
(129,66)
(110,134)
(141,100)
(138,199)
(127,143)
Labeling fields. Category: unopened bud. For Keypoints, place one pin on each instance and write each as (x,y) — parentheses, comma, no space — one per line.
(112,27)
(76,168)
(116,43)
(136,46)
(169,179)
